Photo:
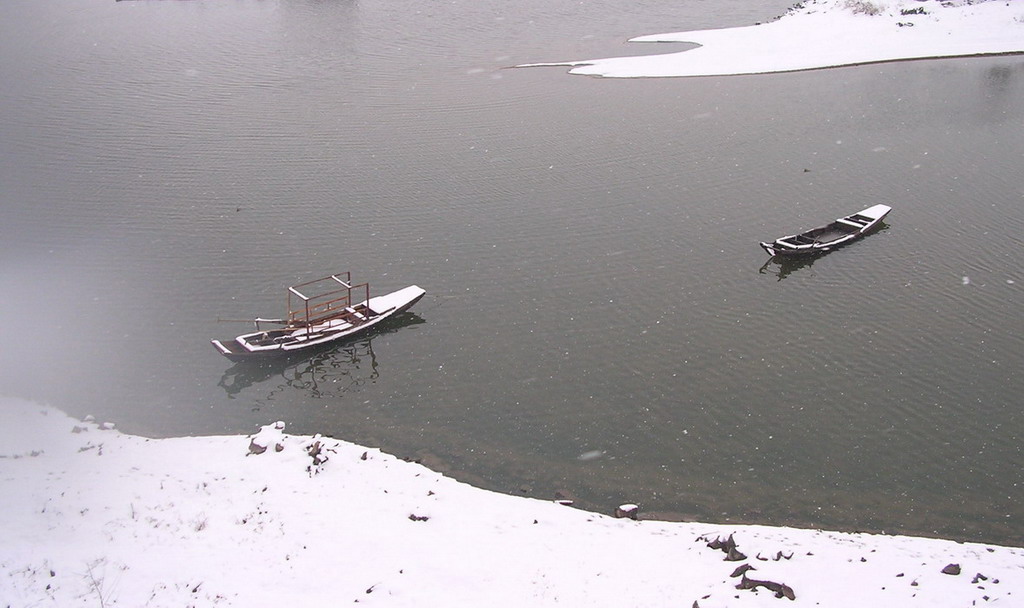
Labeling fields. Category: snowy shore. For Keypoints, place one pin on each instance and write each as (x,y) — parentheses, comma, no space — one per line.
(94,517)
(830,33)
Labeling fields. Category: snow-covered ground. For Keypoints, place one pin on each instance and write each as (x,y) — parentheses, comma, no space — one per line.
(830,33)
(93,517)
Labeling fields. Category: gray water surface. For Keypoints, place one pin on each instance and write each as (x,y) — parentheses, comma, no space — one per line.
(600,321)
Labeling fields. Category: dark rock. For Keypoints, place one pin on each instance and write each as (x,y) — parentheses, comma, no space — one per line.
(779,589)
(732,554)
(316,452)
(564,495)
(628,510)
(725,545)
(979,577)
(953,569)
(741,570)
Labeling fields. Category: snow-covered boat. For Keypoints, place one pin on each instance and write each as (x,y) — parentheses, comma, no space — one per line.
(828,237)
(320,312)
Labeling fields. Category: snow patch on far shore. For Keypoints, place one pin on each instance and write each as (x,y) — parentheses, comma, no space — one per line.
(829,33)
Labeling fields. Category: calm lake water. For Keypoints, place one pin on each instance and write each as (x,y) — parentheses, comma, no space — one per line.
(600,321)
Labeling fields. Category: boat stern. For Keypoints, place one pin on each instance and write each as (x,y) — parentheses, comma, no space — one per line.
(233,354)
(876,212)
(400,300)
(224,350)
(769,248)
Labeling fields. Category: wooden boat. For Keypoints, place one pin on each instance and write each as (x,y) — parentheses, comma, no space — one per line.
(321,311)
(828,237)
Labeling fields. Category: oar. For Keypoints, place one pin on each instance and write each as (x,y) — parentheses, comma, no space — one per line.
(256,320)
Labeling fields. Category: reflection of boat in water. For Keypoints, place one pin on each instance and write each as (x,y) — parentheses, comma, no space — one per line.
(783,266)
(327,372)
(326,310)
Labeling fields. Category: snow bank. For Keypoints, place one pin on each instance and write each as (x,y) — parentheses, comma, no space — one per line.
(830,33)
(94,517)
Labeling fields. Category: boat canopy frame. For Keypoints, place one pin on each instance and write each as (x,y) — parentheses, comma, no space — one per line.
(332,298)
